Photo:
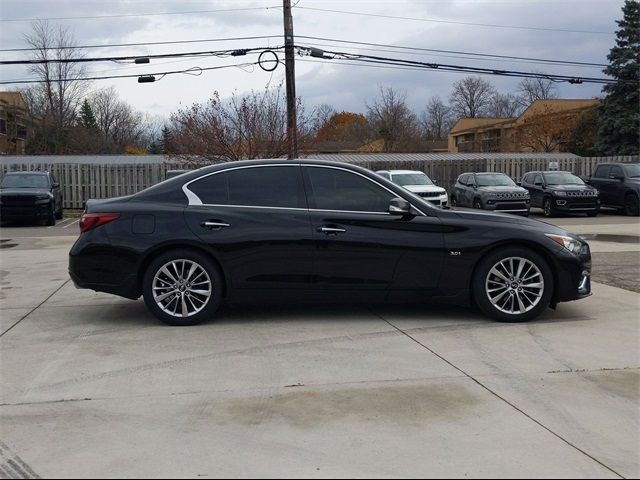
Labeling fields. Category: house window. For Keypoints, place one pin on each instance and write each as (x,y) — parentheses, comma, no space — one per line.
(22,131)
(3,126)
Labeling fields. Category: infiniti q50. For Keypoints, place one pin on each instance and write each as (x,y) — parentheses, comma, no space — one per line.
(258,230)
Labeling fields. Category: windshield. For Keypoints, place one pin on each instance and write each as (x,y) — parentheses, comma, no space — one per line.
(25,181)
(632,170)
(494,180)
(403,179)
(562,178)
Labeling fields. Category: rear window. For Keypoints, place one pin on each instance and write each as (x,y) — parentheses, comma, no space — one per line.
(602,171)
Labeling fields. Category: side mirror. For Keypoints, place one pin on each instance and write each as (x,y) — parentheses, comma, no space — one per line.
(519,184)
(399,206)
(56,185)
(435,182)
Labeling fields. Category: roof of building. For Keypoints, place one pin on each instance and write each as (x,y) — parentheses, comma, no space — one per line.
(466,123)
(12,98)
(538,107)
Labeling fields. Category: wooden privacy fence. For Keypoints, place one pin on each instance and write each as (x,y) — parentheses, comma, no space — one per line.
(82,181)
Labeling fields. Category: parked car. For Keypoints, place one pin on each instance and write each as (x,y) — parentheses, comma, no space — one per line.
(490,191)
(30,196)
(561,192)
(418,183)
(272,230)
(619,186)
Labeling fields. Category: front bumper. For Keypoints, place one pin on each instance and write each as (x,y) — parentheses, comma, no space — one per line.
(576,205)
(518,207)
(573,275)
(13,212)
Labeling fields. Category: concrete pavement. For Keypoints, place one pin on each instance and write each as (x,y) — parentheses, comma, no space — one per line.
(93,386)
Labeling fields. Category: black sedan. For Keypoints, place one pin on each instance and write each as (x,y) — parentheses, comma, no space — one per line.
(561,192)
(306,229)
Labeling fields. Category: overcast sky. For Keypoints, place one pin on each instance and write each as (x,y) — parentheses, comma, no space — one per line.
(344,87)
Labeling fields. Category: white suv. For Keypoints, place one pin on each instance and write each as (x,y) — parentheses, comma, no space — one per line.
(418,183)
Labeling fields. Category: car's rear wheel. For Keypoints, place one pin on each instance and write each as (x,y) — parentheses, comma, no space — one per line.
(182,287)
(513,285)
(59,213)
(631,205)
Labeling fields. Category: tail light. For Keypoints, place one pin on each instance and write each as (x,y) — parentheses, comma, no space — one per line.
(89,221)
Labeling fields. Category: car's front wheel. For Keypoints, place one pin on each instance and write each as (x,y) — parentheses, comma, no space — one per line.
(547,207)
(512,285)
(182,287)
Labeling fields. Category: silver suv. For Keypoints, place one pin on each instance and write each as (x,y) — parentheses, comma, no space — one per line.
(419,183)
(490,191)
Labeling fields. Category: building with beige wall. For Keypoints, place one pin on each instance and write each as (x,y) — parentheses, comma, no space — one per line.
(14,124)
(542,127)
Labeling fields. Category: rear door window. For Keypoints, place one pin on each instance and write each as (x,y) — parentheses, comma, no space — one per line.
(277,186)
(602,171)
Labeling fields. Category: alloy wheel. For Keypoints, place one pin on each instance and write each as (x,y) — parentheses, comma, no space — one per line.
(181,288)
(514,285)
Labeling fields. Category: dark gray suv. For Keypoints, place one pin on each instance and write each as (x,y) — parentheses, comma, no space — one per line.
(490,191)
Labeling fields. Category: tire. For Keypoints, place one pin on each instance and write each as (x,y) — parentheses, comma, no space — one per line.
(477,204)
(50,219)
(59,213)
(505,306)
(631,206)
(547,207)
(592,214)
(178,263)
(454,203)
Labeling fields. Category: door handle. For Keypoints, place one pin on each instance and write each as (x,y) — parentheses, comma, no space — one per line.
(331,230)
(211,225)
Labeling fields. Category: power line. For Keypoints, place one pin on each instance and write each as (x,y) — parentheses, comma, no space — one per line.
(189,71)
(455,52)
(142,44)
(428,54)
(489,25)
(338,56)
(123,15)
(218,53)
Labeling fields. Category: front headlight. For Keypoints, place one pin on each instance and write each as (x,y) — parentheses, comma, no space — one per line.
(560,193)
(571,244)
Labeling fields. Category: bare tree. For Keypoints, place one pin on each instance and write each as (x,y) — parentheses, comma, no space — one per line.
(58,96)
(117,122)
(319,116)
(436,119)
(504,105)
(392,119)
(245,126)
(532,89)
(471,97)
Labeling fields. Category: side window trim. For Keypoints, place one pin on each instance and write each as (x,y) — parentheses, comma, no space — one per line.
(355,173)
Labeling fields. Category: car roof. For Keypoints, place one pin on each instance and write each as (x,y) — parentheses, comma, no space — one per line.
(404,172)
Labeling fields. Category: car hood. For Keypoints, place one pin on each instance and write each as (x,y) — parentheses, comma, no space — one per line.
(572,188)
(24,191)
(500,189)
(472,214)
(424,188)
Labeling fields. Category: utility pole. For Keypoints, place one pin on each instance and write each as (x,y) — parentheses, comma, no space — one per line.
(290,77)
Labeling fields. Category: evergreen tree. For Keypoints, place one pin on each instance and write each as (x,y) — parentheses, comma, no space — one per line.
(87,118)
(619,130)
(166,137)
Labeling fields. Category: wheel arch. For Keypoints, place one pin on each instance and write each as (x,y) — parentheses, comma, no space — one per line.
(186,245)
(546,254)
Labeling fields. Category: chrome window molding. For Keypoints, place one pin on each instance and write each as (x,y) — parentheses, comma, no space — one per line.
(194,200)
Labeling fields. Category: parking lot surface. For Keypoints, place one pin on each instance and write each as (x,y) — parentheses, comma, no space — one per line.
(93,386)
